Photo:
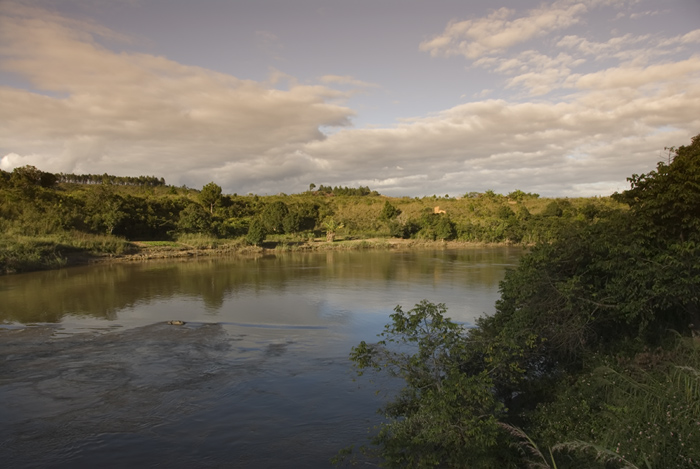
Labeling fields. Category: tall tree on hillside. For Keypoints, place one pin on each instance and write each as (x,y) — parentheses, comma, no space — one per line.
(389,212)
(210,196)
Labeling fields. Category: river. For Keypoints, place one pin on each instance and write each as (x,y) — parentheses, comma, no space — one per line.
(92,374)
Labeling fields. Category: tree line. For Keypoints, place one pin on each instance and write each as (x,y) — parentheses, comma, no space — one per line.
(30,175)
(43,214)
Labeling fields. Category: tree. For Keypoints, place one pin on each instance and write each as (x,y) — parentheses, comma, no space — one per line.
(389,212)
(104,209)
(194,219)
(442,416)
(4,178)
(312,186)
(552,210)
(26,177)
(668,199)
(256,232)
(331,227)
(273,216)
(620,292)
(444,228)
(210,195)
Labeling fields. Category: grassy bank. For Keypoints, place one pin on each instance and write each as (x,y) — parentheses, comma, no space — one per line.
(49,220)
(28,253)
(20,254)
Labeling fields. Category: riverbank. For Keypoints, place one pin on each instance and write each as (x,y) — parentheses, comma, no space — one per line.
(147,251)
(43,254)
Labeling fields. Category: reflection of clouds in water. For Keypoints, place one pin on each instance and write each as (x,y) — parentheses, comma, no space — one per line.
(265,346)
(296,289)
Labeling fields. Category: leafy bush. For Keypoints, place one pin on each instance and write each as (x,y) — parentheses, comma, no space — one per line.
(442,415)
(582,356)
(256,232)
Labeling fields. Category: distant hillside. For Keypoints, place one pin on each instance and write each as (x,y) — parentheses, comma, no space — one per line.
(35,204)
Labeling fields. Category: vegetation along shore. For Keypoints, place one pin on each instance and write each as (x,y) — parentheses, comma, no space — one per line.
(592,358)
(53,220)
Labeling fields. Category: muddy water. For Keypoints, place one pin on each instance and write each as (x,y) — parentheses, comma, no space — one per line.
(92,375)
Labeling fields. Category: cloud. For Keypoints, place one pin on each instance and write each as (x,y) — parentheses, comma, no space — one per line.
(498,31)
(579,147)
(87,108)
(600,49)
(129,112)
(677,73)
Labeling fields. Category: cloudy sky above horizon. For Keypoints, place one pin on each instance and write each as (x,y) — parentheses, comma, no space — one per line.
(408,97)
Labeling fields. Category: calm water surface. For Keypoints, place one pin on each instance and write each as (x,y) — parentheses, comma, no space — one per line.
(91,374)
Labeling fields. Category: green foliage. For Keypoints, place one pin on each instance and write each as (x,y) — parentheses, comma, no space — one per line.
(490,194)
(210,196)
(273,217)
(389,212)
(25,177)
(141,181)
(143,208)
(104,210)
(21,254)
(519,195)
(35,203)
(553,210)
(668,199)
(198,241)
(4,178)
(305,215)
(435,226)
(442,416)
(331,226)
(256,232)
(444,228)
(194,219)
(643,410)
(403,228)
(581,357)
(347,191)
(27,253)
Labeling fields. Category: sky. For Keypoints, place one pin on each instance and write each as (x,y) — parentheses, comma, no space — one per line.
(563,98)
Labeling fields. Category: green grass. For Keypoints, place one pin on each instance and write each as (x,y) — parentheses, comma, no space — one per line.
(94,244)
(27,253)
(160,244)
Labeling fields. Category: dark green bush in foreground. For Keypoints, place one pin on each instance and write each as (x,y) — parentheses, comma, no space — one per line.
(591,360)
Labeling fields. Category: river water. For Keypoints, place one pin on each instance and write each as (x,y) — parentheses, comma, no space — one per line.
(92,374)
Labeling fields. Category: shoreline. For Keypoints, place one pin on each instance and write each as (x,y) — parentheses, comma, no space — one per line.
(57,256)
(143,251)
(146,252)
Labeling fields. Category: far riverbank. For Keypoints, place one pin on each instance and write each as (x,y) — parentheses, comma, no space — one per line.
(46,255)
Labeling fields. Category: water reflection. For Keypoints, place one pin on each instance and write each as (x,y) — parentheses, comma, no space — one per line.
(231,288)
(258,377)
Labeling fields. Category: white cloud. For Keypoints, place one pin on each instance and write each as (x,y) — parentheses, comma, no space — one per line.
(121,111)
(601,49)
(678,73)
(90,109)
(10,161)
(498,31)
(559,148)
